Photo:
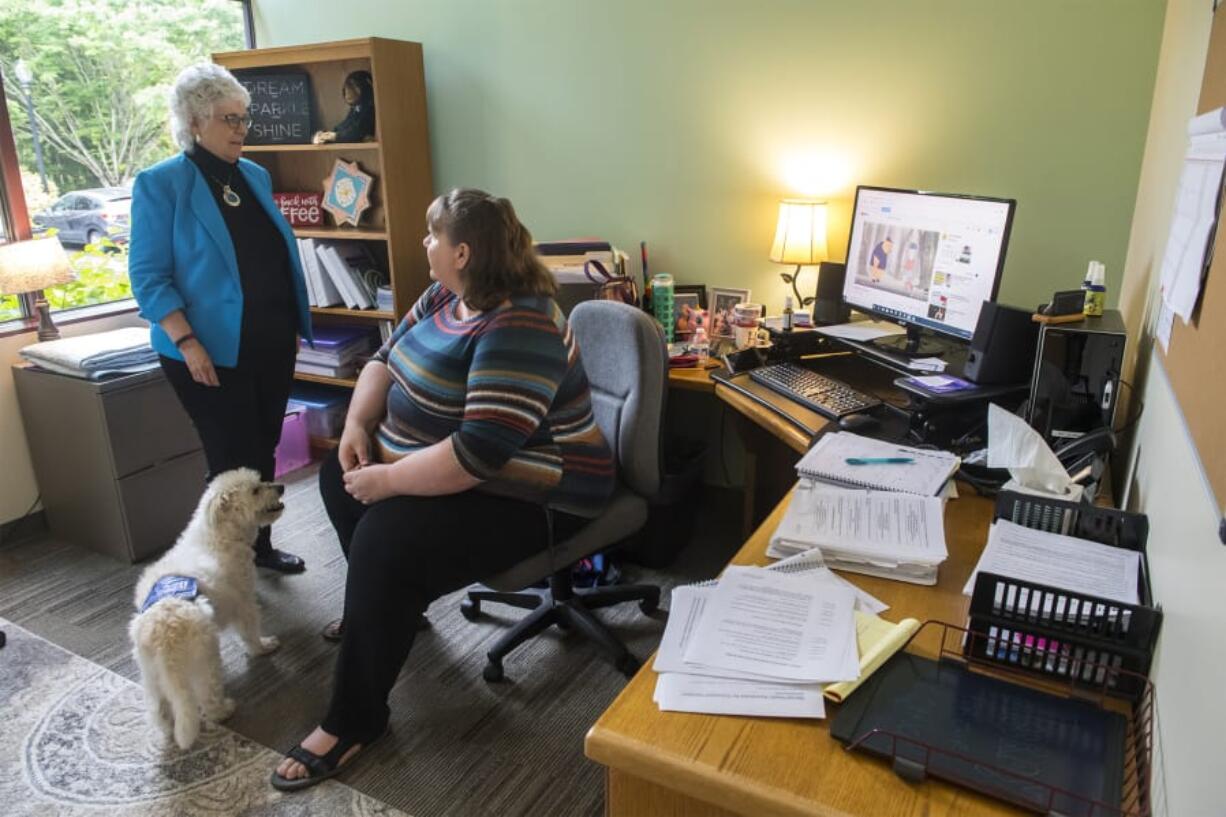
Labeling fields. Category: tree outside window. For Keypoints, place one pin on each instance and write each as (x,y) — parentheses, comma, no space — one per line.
(86,84)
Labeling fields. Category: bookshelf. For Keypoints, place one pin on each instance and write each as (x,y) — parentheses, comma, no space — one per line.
(403,185)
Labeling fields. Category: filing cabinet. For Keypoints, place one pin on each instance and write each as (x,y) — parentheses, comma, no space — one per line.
(119,464)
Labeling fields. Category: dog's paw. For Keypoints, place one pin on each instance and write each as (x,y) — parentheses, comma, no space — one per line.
(268,643)
(223,710)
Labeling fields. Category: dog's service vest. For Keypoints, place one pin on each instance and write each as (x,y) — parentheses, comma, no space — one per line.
(168,587)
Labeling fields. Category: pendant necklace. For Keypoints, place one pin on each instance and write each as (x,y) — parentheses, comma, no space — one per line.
(227,195)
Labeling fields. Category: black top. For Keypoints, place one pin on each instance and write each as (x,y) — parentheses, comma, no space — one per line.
(269,323)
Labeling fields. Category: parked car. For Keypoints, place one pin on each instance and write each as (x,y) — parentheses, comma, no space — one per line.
(84,216)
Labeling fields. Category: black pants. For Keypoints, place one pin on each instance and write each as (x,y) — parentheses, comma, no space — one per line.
(239,422)
(403,553)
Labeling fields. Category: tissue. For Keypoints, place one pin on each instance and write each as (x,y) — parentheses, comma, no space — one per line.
(1014,445)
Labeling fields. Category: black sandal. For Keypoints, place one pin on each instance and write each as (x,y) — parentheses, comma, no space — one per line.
(319,767)
(280,561)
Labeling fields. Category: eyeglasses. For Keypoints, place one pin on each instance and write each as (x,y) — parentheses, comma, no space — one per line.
(235,120)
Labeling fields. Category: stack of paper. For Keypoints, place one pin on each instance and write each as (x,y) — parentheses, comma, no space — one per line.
(847,459)
(893,535)
(1066,562)
(771,642)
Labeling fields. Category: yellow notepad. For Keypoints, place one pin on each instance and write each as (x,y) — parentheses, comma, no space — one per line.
(877,639)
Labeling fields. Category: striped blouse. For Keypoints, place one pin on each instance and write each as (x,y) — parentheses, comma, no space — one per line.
(508,388)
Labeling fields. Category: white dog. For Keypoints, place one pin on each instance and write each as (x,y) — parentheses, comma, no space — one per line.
(202,585)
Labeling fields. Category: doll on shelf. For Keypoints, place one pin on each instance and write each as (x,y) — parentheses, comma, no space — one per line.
(359,124)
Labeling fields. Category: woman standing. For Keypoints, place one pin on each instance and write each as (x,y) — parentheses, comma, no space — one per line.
(472,419)
(214,267)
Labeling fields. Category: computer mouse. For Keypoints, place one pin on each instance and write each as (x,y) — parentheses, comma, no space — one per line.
(858,422)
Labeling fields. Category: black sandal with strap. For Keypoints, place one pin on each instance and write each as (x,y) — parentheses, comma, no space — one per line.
(319,767)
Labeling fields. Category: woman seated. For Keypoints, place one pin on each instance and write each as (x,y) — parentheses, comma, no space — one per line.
(472,420)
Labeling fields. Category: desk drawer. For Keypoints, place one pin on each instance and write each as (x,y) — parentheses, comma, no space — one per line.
(147,425)
(158,502)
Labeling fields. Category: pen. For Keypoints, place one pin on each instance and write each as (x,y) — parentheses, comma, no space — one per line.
(879,460)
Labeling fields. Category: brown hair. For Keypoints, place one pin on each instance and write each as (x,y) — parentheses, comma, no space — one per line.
(502,260)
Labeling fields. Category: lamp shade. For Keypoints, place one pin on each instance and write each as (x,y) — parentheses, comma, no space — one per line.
(26,266)
(800,236)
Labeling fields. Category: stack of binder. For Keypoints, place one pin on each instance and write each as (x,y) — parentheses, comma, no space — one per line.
(336,352)
(881,518)
(340,273)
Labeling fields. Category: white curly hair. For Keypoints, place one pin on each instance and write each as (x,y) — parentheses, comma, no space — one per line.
(196,90)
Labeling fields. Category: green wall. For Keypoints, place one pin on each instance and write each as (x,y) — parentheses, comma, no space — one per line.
(676,122)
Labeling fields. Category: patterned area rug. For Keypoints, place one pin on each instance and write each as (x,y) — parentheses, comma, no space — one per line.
(74,742)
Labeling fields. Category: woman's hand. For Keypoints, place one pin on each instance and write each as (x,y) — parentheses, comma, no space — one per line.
(199,363)
(354,448)
(370,484)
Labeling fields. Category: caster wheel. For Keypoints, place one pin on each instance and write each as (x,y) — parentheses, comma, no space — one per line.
(493,672)
(628,665)
(468,608)
(650,605)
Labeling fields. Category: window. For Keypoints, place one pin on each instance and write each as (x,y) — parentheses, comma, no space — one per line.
(85,84)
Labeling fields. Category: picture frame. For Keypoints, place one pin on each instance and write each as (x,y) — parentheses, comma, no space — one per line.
(347,192)
(722,300)
(688,314)
(693,289)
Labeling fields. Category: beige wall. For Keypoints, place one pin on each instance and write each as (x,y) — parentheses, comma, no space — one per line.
(18,488)
(1187,562)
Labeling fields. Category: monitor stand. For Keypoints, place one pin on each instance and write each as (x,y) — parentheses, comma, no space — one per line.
(912,344)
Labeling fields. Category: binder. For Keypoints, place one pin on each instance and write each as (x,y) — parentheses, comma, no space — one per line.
(926,475)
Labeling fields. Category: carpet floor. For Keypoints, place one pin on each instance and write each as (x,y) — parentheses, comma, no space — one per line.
(458,746)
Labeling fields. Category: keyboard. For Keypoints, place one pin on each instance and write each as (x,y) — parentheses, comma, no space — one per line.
(826,396)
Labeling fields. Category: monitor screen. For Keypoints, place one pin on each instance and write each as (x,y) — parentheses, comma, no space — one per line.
(926,259)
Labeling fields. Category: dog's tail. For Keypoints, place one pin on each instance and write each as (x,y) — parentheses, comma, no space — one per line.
(166,641)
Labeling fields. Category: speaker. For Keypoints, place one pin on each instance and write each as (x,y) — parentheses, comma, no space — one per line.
(1003,347)
(1076,379)
(828,306)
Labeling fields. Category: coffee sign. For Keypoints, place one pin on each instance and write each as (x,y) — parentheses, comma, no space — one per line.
(280,108)
(301,209)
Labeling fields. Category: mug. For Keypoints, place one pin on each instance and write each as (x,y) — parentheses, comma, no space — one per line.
(746,336)
(746,314)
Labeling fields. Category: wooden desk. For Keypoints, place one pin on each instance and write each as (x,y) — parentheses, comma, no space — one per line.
(692,378)
(683,765)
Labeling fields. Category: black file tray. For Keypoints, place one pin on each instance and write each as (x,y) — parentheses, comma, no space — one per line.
(1052,750)
(1063,636)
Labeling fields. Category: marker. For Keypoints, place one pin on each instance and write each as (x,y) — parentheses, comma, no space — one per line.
(879,460)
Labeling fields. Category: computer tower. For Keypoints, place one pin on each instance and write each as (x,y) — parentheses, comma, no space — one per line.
(1076,378)
(1003,347)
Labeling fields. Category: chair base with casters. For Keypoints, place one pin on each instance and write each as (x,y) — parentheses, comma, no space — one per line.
(570,608)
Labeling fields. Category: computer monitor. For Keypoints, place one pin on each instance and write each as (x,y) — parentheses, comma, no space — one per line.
(926,261)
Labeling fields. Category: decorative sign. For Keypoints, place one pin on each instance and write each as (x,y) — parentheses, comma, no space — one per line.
(347,192)
(301,209)
(280,108)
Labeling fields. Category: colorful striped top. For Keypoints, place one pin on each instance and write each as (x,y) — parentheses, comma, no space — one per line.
(508,388)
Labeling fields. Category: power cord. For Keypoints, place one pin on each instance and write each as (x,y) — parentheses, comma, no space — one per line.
(1140,408)
(15,524)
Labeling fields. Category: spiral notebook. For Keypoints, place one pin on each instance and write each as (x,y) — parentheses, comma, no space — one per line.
(925,474)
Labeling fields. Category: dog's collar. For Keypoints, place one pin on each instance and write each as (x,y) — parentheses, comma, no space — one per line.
(182,587)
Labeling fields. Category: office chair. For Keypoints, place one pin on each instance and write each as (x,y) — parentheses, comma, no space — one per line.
(626,361)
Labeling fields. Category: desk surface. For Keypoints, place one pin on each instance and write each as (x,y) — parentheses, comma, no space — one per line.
(761,766)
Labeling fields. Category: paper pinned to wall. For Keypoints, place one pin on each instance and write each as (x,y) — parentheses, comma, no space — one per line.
(1189,244)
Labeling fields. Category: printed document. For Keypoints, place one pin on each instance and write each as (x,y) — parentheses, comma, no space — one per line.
(727,696)
(1065,562)
(774,624)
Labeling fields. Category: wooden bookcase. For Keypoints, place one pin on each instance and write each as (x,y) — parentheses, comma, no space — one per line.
(398,158)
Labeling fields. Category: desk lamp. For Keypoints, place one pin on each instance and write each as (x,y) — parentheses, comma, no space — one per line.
(32,266)
(800,239)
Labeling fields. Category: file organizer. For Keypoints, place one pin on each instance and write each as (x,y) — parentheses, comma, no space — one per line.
(1061,750)
(1090,642)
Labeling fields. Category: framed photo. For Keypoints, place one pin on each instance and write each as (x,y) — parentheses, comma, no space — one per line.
(693,289)
(688,314)
(347,192)
(722,301)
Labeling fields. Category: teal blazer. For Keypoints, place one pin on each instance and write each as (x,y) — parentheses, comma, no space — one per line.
(181,257)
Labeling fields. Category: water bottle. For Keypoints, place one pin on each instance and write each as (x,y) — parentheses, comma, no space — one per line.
(662,303)
(700,345)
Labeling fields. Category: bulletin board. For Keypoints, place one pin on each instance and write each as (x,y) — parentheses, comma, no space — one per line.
(1195,360)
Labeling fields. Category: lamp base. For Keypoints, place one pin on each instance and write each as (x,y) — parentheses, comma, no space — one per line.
(46,326)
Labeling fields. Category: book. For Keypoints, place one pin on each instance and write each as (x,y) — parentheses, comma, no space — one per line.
(926,475)
(312,298)
(343,370)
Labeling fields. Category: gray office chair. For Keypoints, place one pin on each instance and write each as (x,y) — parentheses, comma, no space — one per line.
(626,361)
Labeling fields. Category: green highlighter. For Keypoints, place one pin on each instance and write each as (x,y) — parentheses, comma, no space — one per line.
(879,461)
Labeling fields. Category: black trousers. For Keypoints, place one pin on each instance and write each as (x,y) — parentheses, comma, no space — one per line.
(239,422)
(403,553)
